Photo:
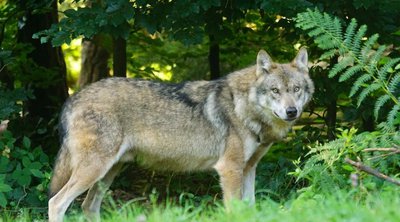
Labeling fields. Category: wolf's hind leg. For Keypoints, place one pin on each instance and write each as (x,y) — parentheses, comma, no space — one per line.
(82,179)
(91,204)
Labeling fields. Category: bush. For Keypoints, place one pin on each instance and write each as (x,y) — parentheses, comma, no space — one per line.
(360,60)
(24,169)
(24,172)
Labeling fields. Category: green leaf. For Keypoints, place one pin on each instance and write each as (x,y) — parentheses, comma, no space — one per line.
(367,91)
(26,142)
(4,188)
(359,83)
(341,66)
(37,173)
(3,200)
(22,176)
(26,162)
(379,103)
(393,114)
(348,167)
(350,72)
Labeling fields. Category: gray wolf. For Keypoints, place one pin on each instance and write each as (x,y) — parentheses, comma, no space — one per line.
(226,125)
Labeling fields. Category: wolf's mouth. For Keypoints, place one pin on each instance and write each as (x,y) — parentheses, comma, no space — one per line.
(290,119)
(286,119)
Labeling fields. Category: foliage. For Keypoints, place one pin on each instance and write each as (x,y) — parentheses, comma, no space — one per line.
(108,16)
(24,172)
(372,73)
(24,169)
(324,168)
(11,101)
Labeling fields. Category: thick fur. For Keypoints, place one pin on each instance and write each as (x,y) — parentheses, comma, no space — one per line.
(226,125)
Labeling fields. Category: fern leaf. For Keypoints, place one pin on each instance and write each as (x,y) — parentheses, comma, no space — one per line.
(356,59)
(371,41)
(394,84)
(333,27)
(356,45)
(375,58)
(359,83)
(393,114)
(350,72)
(349,34)
(340,66)
(326,31)
(337,28)
(383,71)
(379,103)
(367,91)
(328,54)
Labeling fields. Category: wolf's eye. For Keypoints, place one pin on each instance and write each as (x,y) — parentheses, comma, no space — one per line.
(275,90)
(296,89)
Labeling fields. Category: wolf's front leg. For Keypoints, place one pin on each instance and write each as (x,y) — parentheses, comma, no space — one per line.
(249,185)
(231,180)
(230,168)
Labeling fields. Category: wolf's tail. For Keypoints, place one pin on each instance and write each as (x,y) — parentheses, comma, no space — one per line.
(61,172)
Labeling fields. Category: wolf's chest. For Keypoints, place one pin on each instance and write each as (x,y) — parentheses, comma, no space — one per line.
(274,132)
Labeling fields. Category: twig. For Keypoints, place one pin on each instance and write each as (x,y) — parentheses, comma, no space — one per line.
(381,149)
(384,155)
(372,171)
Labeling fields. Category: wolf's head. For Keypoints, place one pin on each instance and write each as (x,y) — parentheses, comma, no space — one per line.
(281,90)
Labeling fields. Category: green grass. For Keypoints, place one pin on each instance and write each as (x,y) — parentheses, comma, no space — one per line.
(342,206)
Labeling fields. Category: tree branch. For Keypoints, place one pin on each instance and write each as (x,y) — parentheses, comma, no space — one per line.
(372,171)
(381,149)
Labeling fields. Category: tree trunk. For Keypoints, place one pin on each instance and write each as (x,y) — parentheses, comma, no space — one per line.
(94,61)
(50,96)
(331,119)
(213,58)
(119,58)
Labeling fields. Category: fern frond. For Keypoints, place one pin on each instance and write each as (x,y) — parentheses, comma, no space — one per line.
(326,31)
(375,58)
(379,103)
(371,41)
(367,91)
(356,46)
(342,65)
(359,83)
(349,34)
(394,84)
(389,66)
(350,72)
(328,54)
(393,114)
(357,58)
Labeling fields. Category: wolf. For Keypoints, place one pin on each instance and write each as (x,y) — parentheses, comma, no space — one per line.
(226,125)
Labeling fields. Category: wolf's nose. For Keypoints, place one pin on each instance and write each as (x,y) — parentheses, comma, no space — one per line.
(291,112)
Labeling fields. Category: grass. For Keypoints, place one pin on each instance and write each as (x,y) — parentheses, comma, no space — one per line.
(341,206)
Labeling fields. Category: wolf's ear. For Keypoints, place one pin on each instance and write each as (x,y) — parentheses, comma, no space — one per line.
(301,60)
(264,63)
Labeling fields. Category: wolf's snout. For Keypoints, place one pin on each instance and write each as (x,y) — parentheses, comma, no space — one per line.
(291,112)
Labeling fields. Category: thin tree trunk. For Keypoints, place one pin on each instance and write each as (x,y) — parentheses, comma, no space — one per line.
(213,58)
(331,119)
(50,96)
(94,61)
(119,58)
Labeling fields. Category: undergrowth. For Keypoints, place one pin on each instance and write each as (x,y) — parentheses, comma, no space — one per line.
(308,206)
